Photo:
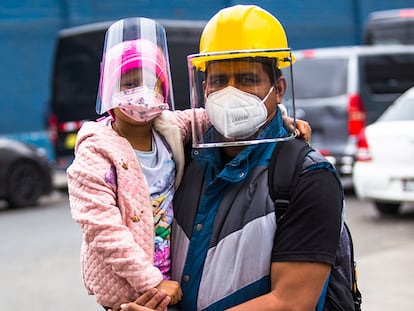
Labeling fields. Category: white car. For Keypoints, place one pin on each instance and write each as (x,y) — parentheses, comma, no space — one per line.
(384,171)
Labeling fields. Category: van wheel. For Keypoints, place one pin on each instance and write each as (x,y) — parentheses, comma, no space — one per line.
(388,208)
(25,185)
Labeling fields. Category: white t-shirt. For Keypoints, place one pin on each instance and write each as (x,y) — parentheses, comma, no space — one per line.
(159,170)
(158,167)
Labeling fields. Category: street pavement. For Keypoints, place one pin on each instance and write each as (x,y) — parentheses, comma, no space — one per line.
(40,270)
(384,250)
(386,279)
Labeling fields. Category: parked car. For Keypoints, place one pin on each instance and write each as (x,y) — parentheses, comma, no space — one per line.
(384,171)
(25,173)
(339,90)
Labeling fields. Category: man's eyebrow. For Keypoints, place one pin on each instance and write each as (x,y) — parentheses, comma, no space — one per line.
(238,74)
(218,75)
(247,73)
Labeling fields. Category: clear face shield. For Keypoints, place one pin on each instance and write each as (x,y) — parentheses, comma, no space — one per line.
(135,70)
(240,92)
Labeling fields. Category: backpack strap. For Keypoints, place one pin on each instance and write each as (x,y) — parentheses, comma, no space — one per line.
(285,167)
(354,274)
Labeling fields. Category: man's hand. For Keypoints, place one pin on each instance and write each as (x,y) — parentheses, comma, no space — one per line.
(173,290)
(152,300)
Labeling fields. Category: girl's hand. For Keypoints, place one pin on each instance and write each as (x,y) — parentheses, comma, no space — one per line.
(303,130)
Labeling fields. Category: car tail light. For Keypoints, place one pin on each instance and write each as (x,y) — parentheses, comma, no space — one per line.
(363,154)
(356,114)
(53,128)
(70,126)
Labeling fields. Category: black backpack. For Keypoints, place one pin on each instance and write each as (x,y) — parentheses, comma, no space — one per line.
(284,169)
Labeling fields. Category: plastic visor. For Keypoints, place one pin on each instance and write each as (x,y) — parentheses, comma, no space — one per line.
(135,51)
(202,86)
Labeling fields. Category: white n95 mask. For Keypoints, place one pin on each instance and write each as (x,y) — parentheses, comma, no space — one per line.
(236,114)
(140,104)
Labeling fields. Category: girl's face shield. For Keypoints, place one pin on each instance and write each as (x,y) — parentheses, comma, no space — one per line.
(135,55)
(240,93)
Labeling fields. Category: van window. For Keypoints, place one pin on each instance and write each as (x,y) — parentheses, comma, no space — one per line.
(76,75)
(73,77)
(383,79)
(320,78)
(388,74)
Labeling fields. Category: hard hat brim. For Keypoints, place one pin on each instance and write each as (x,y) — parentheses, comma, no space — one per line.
(284,57)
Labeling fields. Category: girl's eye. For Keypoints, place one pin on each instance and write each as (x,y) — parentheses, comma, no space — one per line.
(129,85)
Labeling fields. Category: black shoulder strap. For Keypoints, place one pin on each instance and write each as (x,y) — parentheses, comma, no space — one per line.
(356,294)
(187,154)
(284,169)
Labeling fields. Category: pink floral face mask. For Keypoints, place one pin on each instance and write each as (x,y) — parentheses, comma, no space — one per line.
(140,104)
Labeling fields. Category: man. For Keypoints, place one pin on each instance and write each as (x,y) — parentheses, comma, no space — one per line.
(227,253)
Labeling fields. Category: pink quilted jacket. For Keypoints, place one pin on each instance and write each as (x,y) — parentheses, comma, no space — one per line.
(110,201)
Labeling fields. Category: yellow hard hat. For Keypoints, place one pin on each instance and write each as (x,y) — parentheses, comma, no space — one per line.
(243,31)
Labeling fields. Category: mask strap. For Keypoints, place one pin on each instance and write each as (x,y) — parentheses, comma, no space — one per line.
(265,98)
(268,94)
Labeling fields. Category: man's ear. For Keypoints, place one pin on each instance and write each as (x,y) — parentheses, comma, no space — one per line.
(280,88)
